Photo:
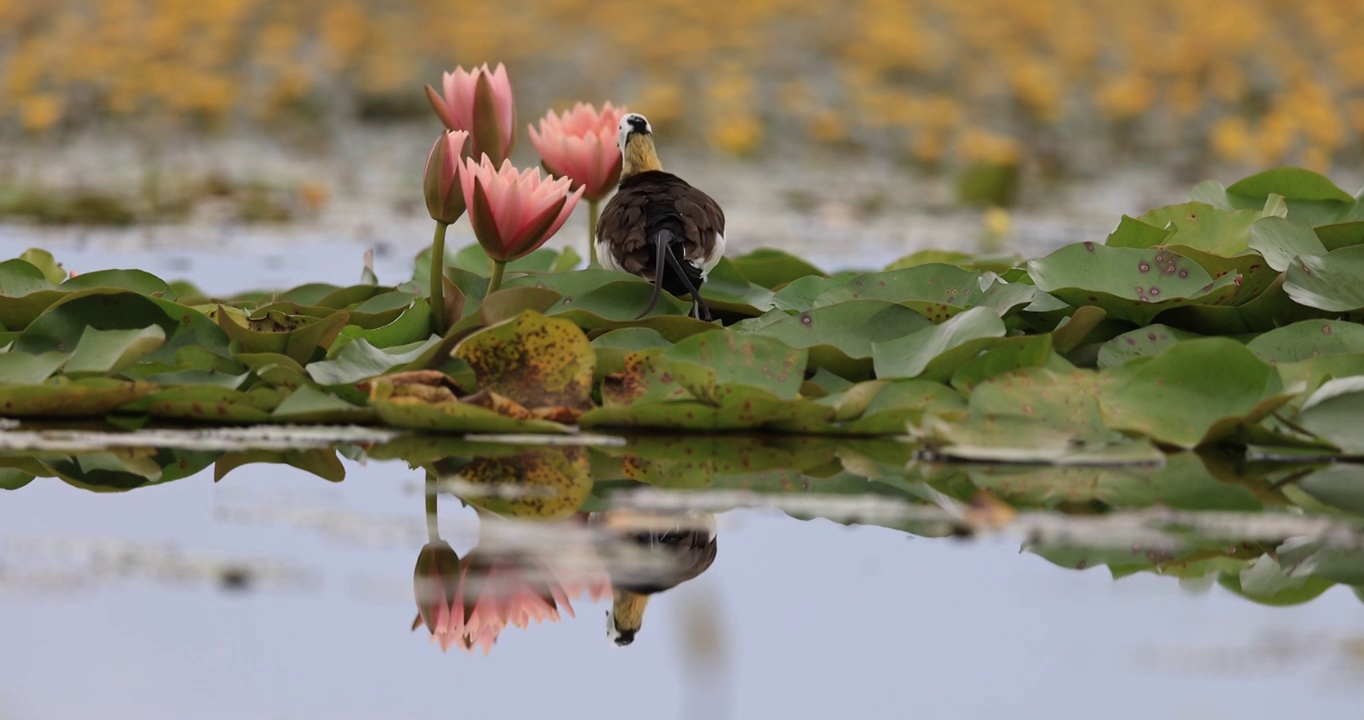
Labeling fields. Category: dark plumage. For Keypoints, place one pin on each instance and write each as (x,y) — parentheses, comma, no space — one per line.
(658,226)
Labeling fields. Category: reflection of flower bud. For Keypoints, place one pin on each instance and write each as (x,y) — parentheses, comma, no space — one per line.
(435,583)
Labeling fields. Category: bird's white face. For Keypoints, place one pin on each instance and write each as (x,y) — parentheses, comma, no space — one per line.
(632,123)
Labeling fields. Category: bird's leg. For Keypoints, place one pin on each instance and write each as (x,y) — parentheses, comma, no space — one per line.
(661,239)
(699,308)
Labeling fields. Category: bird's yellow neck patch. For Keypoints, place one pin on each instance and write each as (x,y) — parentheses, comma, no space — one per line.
(639,155)
(628,610)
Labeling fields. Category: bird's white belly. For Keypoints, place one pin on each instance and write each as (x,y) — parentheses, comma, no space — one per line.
(718,252)
(606,257)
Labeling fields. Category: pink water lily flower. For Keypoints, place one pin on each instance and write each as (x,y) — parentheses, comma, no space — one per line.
(440,183)
(580,144)
(514,212)
(479,103)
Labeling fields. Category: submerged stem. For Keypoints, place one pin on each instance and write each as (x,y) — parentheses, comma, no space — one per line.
(432,525)
(495,278)
(593,215)
(438,278)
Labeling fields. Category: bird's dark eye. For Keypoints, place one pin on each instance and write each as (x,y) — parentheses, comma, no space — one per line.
(639,124)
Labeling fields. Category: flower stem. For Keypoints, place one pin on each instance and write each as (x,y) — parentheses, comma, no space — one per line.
(495,278)
(593,215)
(432,525)
(438,279)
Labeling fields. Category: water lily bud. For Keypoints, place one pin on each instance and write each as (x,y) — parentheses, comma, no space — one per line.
(444,193)
(479,103)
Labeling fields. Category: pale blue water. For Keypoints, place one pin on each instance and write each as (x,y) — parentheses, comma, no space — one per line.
(814,620)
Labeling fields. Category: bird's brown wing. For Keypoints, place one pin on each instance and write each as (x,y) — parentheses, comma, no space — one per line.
(622,227)
(704,221)
(652,200)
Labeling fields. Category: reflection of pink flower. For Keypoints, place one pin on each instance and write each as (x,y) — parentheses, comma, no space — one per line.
(480,103)
(513,213)
(581,145)
(502,591)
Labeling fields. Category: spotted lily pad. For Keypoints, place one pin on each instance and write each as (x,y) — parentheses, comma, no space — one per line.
(1129,283)
(535,360)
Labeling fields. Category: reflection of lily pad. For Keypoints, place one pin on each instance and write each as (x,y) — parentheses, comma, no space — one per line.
(548,483)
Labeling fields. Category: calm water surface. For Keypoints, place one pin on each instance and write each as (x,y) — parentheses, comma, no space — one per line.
(273,593)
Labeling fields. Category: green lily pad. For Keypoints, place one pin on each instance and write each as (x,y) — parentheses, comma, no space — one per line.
(1129,283)
(729,359)
(1306,339)
(206,403)
(901,402)
(1329,282)
(61,326)
(935,291)
(67,397)
(45,263)
(300,337)
(1339,235)
(21,368)
(773,268)
(1280,241)
(839,337)
(935,353)
(750,413)
(412,325)
(1005,356)
(1197,392)
(799,295)
(1335,413)
(360,361)
(535,360)
(1312,199)
(1142,342)
(310,405)
(456,417)
(107,352)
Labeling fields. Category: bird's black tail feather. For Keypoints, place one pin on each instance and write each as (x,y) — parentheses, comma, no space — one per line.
(675,275)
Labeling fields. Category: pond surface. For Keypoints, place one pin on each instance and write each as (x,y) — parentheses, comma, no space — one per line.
(274,592)
(194,576)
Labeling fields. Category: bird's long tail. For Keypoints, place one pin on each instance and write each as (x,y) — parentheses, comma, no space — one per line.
(661,241)
(664,258)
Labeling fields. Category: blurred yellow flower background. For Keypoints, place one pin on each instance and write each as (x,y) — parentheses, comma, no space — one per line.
(1254,82)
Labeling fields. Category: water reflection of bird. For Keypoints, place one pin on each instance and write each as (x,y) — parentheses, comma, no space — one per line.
(648,552)
(657,226)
